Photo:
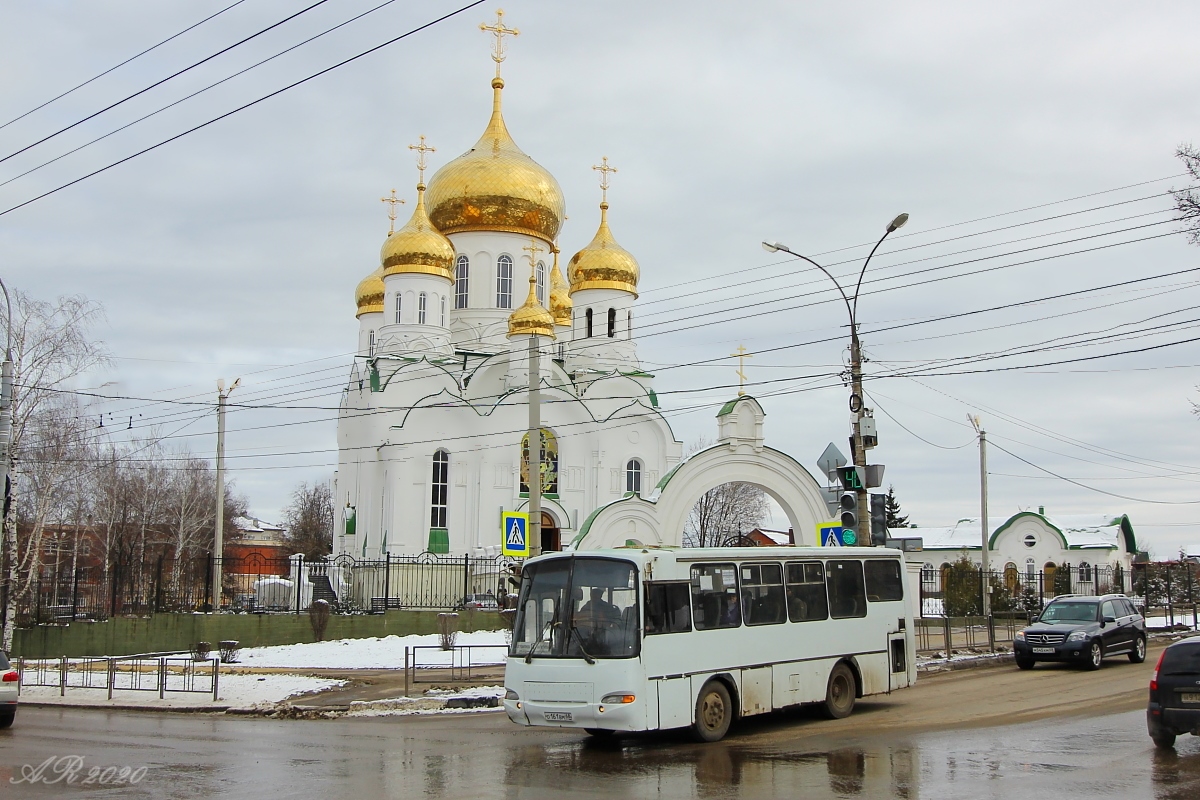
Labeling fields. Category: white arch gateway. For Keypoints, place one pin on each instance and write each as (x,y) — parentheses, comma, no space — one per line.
(739,455)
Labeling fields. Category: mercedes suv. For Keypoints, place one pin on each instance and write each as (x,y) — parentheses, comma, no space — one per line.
(1082,630)
(1174,706)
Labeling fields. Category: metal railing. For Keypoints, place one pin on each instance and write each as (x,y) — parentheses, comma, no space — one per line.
(461,666)
(152,672)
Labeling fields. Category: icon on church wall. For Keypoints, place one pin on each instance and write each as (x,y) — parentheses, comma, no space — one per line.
(549,463)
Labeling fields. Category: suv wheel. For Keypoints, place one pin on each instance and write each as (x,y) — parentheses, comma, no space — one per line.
(1138,654)
(1095,655)
(1024,663)
(1164,740)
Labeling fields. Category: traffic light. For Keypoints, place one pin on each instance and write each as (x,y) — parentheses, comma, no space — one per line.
(849,511)
(878,520)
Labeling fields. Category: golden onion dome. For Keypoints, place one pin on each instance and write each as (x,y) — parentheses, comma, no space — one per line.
(560,296)
(531,318)
(496,187)
(418,247)
(604,264)
(368,296)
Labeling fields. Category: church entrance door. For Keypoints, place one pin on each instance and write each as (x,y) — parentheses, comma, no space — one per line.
(551,539)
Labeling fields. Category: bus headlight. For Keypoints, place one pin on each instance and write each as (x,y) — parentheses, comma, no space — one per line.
(617,699)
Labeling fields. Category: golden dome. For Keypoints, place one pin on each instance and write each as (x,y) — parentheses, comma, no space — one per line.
(418,247)
(531,318)
(496,187)
(560,297)
(368,296)
(604,264)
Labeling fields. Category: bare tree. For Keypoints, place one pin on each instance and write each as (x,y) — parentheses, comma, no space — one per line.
(192,497)
(724,513)
(309,520)
(1187,201)
(51,346)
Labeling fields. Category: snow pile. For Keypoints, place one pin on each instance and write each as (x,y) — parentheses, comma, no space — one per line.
(377,652)
(435,701)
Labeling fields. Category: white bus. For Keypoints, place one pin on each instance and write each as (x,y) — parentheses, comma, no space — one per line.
(638,639)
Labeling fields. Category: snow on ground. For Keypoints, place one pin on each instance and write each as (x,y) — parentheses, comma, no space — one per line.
(434,702)
(233,690)
(377,652)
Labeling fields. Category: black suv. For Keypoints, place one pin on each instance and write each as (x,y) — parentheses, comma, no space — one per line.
(1082,630)
(1175,693)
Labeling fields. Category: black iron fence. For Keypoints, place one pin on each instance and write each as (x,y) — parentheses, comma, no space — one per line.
(261,584)
(1168,593)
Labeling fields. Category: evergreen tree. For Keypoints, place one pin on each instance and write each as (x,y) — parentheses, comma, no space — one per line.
(892,508)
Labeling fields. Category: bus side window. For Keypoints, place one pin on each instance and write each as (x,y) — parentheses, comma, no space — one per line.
(806,591)
(883,581)
(847,594)
(762,594)
(667,608)
(715,596)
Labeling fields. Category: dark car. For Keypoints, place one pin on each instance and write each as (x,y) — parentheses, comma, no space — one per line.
(1174,707)
(1082,630)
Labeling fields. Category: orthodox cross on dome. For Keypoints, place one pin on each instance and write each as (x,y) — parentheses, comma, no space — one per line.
(499,31)
(604,169)
(741,354)
(392,202)
(422,149)
(533,248)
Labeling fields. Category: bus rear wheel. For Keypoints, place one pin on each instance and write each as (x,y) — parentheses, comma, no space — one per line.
(714,712)
(839,694)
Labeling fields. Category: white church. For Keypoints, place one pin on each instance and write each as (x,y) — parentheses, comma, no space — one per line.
(432,429)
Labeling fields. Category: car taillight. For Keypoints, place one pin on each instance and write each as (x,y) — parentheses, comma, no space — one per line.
(10,677)
(1154,676)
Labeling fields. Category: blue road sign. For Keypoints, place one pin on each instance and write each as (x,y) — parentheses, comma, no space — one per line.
(830,534)
(513,538)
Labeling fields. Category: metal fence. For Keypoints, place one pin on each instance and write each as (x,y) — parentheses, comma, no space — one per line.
(260,584)
(152,672)
(1167,593)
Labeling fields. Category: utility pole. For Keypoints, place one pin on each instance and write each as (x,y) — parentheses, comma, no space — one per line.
(983,517)
(219,539)
(535,450)
(859,454)
(8,533)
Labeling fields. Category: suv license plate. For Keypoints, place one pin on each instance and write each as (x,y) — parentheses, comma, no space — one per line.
(1190,697)
(1043,649)
(558,716)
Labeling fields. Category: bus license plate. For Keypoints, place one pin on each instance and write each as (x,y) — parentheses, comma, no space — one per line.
(1190,697)
(559,716)
(1043,649)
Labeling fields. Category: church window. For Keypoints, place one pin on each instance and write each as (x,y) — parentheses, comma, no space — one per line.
(612,322)
(461,268)
(504,282)
(588,317)
(1085,571)
(562,351)
(441,489)
(399,306)
(633,476)
(371,343)
(628,324)
(443,302)
(541,282)
(422,301)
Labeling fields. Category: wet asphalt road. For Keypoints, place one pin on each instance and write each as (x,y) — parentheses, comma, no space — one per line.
(481,756)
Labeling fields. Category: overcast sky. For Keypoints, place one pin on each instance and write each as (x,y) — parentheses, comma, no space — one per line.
(236,249)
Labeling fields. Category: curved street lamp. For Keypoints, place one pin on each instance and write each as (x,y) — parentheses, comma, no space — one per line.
(859,455)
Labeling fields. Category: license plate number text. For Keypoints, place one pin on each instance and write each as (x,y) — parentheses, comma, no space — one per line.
(559,716)
(1043,649)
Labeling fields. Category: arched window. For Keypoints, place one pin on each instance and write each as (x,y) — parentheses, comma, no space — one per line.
(461,269)
(628,324)
(540,274)
(371,343)
(633,476)
(1030,569)
(441,489)
(1085,571)
(588,323)
(612,322)
(1012,578)
(504,282)
(422,301)
(399,306)
(443,302)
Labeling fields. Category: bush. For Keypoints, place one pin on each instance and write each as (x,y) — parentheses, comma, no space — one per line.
(961,596)
(448,630)
(200,651)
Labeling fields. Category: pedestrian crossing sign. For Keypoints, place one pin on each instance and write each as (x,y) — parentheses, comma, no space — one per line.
(829,534)
(513,528)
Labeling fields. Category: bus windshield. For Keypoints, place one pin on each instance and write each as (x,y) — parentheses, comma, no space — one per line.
(578,608)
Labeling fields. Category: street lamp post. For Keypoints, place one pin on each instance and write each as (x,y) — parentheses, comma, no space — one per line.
(859,455)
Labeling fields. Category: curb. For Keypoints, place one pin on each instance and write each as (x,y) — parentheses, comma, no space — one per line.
(214,709)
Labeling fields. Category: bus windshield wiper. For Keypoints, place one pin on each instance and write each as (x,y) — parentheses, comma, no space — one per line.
(583,652)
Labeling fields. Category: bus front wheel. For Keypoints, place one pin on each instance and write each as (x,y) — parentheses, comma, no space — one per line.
(714,712)
(839,694)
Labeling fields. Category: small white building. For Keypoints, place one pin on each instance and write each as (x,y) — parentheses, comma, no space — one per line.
(1097,547)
